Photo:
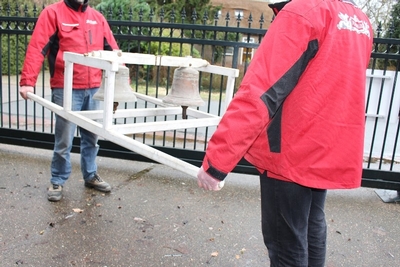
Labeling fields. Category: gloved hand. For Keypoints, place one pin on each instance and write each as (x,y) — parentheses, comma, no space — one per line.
(23,91)
(206,181)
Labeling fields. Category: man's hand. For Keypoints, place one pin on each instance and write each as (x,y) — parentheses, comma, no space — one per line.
(23,91)
(206,181)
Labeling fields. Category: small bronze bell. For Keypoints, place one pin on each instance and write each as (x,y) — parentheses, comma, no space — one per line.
(184,89)
(122,89)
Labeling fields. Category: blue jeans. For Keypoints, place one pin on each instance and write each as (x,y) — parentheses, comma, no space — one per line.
(64,135)
(293,223)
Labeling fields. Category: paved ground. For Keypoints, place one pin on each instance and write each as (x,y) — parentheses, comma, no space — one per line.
(156,216)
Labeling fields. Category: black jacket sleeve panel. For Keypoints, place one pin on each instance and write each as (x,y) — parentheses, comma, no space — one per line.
(51,49)
(276,95)
(107,46)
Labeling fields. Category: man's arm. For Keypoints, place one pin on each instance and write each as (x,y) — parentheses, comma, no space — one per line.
(37,49)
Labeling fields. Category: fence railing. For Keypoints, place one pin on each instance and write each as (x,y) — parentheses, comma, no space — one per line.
(29,124)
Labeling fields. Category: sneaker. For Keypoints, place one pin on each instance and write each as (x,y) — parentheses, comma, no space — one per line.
(55,192)
(98,184)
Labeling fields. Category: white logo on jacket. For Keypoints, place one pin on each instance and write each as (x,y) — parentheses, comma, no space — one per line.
(353,24)
(89,21)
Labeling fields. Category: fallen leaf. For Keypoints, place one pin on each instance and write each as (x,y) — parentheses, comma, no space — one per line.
(77,210)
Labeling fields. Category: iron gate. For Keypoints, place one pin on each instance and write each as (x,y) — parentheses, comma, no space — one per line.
(28,124)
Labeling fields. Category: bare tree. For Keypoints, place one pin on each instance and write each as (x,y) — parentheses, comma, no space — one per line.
(378,11)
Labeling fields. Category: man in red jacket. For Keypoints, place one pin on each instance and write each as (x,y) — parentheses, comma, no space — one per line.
(73,26)
(298,117)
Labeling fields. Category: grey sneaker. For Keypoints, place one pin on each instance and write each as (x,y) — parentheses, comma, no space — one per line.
(98,184)
(55,192)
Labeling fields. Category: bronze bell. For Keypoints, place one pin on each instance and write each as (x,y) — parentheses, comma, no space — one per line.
(122,89)
(184,89)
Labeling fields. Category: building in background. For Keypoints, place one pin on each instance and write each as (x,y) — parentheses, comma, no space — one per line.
(253,14)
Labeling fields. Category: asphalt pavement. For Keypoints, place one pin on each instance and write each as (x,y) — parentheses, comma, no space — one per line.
(156,216)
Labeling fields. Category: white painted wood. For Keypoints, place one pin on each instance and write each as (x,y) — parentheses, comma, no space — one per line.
(118,138)
(68,78)
(378,76)
(100,63)
(109,81)
(147,127)
(133,113)
(101,122)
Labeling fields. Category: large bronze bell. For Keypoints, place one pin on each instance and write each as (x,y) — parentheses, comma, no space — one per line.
(122,89)
(184,89)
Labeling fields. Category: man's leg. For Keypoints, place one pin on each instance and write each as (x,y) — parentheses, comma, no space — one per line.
(285,211)
(317,229)
(63,137)
(61,164)
(90,148)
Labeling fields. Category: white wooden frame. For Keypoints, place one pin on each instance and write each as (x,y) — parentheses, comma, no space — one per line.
(109,61)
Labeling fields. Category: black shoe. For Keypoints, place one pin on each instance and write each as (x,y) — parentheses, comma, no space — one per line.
(54,193)
(98,184)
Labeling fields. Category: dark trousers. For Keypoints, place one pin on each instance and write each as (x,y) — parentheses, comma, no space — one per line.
(293,223)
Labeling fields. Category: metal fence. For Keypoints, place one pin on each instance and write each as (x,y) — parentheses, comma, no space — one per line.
(214,39)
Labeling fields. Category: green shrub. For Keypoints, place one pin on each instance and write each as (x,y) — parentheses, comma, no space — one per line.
(13,48)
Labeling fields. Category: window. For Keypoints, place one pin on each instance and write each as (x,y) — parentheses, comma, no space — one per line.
(238,13)
(246,53)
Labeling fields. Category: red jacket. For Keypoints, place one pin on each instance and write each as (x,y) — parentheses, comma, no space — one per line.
(299,112)
(67,26)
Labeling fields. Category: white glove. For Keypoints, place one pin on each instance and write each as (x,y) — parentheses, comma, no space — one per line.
(206,181)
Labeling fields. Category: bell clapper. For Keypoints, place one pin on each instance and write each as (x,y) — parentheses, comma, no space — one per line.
(115,106)
(184,115)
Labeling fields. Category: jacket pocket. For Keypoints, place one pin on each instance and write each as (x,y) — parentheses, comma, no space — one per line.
(68,27)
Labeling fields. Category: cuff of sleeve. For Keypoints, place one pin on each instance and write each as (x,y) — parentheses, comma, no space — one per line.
(214,172)
(26,83)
